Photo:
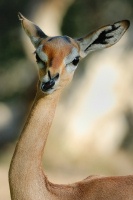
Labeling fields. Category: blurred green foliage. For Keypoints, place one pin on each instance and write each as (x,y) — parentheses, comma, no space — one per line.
(10,41)
(84,16)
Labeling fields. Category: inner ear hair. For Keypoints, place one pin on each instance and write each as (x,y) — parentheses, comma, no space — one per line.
(103,35)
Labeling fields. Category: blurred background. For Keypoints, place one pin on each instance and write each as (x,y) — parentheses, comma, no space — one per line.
(92,131)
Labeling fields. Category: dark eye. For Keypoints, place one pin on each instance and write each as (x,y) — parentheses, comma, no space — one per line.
(40,63)
(38,60)
(75,61)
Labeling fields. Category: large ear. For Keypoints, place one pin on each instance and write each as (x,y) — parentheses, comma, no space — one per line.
(33,31)
(103,37)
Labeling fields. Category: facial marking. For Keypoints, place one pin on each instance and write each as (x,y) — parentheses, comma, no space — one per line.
(65,38)
(70,65)
(59,54)
(41,54)
(56,49)
(74,53)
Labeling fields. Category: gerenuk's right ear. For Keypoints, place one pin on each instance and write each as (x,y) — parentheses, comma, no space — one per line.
(33,31)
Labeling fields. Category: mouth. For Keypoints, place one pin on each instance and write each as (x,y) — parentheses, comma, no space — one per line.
(49,86)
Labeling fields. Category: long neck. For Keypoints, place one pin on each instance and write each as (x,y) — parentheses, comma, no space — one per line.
(26,166)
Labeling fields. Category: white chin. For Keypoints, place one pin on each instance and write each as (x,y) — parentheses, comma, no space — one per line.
(50,91)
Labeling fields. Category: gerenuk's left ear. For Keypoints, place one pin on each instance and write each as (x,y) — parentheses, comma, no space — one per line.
(103,37)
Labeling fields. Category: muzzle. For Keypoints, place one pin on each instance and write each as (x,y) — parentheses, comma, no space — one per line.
(49,85)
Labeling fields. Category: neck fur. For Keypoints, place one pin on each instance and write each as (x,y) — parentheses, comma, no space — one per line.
(26,172)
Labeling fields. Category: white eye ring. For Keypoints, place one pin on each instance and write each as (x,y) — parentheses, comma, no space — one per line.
(41,54)
(71,67)
(40,63)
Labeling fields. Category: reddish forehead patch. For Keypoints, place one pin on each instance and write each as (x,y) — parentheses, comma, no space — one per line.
(57,49)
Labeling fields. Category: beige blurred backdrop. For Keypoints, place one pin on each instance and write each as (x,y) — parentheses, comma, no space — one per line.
(92,132)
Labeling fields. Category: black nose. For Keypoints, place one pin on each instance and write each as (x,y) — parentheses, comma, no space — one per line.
(45,86)
(48,85)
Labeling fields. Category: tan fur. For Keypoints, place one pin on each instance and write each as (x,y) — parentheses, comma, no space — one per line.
(55,58)
(26,177)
